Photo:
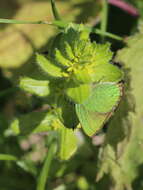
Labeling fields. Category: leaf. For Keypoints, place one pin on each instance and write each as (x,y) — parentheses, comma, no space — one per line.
(78,93)
(60,187)
(48,66)
(75,48)
(82,76)
(35,122)
(19,42)
(97,109)
(102,53)
(61,59)
(33,86)
(67,143)
(122,156)
(28,166)
(7,157)
(106,73)
(44,175)
(66,112)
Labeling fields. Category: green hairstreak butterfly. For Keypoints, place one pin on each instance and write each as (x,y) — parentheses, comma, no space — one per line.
(99,106)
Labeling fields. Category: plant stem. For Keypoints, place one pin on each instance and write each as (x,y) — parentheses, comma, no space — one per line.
(55,11)
(61,24)
(108,34)
(45,170)
(13,21)
(104,19)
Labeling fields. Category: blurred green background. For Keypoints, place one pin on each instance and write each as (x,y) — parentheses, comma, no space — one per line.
(111,161)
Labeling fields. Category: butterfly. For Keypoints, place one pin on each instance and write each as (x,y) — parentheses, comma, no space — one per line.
(95,111)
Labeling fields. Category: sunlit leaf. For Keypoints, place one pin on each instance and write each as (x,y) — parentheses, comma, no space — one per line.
(35,122)
(33,86)
(48,66)
(106,73)
(67,143)
(7,157)
(79,93)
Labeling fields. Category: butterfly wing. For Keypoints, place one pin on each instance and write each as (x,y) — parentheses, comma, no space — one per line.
(91,122)
(98,108)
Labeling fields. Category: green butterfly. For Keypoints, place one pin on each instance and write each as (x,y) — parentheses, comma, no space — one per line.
(99,106)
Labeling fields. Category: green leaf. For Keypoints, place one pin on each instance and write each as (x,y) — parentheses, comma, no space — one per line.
(35,122)
(48,67)
(61,59)
(122,155)
(68,51)
(82,76)
(7,157)
(102,53)
(79,94)
(106,73)
(28,166)
(19,42)
(75,48)
(46,167)
(67,143)
(98,108)
(37,87)
(66,112)
(60,187)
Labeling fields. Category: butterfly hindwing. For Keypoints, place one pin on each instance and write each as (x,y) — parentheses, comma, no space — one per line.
(98,107)
(90,121)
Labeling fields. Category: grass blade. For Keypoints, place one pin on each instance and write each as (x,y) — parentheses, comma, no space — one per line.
(45,170)
(7,157)
(13,21)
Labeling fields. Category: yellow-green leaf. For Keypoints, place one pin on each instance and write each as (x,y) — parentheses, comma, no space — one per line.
(33,86)
(48,66)
(7,157)
(35,122)
(106,73)
(67,143)
(79,93)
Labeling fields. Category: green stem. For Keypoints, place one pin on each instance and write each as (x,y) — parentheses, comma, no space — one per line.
(104,18)
(45,170)
(108,34)
(13,21)
(55,11)
(61,24)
